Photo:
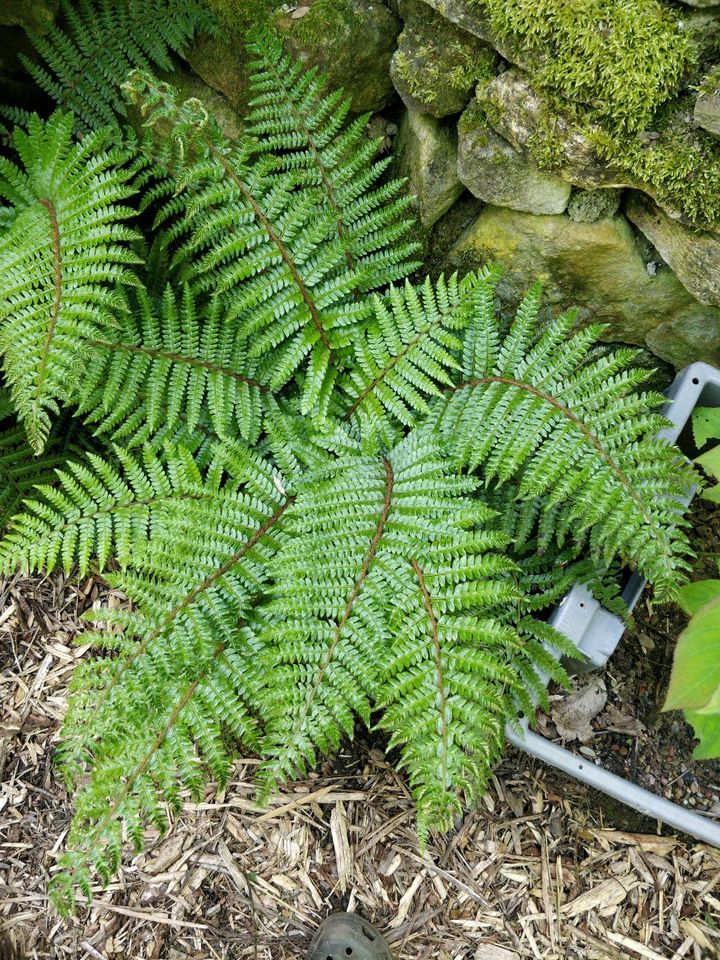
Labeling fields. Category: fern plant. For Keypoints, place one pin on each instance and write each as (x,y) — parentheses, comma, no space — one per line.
(331,492)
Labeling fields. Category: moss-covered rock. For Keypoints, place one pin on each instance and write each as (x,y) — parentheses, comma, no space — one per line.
(589,206)
(36,16)
(694,255)
(597,267)
(536,123)
(352,40)
(426,153)
(437,65)
(707,105)
(496,172)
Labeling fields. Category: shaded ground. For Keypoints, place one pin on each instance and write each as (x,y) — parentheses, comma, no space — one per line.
(538,872)
(630,735)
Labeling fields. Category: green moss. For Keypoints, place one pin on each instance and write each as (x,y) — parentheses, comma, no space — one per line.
(441,55)
(621,57)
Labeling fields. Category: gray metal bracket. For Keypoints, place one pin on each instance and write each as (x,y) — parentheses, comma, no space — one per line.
(597,633)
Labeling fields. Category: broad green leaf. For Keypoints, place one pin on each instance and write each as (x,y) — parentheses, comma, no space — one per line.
(707,730)
(710,462)
(706,425)
(713,494)
(693,596)
(696,670)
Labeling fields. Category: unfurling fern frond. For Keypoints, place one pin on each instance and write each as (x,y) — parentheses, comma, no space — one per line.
(410,351)
(567,425)
(297,120)
(98,510)
(267,242)
(60,261)
(165,362)
(179,669)
(89,57)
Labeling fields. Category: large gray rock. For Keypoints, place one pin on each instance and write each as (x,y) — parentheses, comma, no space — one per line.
(694,255)
(707,105)
(469,16)
(496,172)
(352,40)
(589,206)
(437,65)
(426,153)
(597,267)
(524,116)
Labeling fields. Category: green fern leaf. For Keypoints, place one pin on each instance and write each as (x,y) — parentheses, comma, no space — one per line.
(296,120)
(178,667)
(170,361)
(568,427)
(60,261)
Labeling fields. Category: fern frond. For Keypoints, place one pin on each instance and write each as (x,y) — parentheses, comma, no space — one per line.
(170,360)
(98,510)
(410,351)
(457,671)
(90,55)
(266,242)
(178,668)
(21,470)
(568,426)
(294,118)
(356,525)
(60,261)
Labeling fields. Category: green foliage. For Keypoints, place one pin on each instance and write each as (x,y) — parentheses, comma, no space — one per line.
(86,60)
(163,362)
(333,493)
(622,58)
(695,679)
(61,259)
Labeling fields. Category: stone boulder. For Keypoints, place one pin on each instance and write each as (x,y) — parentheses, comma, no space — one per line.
(694,255)
(426,153)
(351,40)
(496,172)
(437,65)
(597,267)
(35,16)
(469,16)
(589,206)
(707,105)
(525,117)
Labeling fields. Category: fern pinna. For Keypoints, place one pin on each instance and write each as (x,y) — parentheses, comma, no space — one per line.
(330,492)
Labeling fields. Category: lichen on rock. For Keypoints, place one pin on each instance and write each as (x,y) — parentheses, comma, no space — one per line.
(437,65)
(496,172)
(589,206)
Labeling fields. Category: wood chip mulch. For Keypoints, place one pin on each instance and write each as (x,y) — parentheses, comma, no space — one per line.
(538,872)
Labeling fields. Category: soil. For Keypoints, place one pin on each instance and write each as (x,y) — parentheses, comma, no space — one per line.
(632,736)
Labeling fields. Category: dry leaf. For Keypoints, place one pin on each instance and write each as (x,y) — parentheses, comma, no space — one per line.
(609,893)
(573,714)
(615,720)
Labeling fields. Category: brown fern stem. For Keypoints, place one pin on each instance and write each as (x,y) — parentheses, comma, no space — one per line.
(57,298)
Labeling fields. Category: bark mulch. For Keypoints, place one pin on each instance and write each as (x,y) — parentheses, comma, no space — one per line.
(538,872)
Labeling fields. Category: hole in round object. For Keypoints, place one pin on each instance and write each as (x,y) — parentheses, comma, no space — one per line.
(580,766)
(582,604)
(348,951)
(368,933)
(696,381)
(329,957)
